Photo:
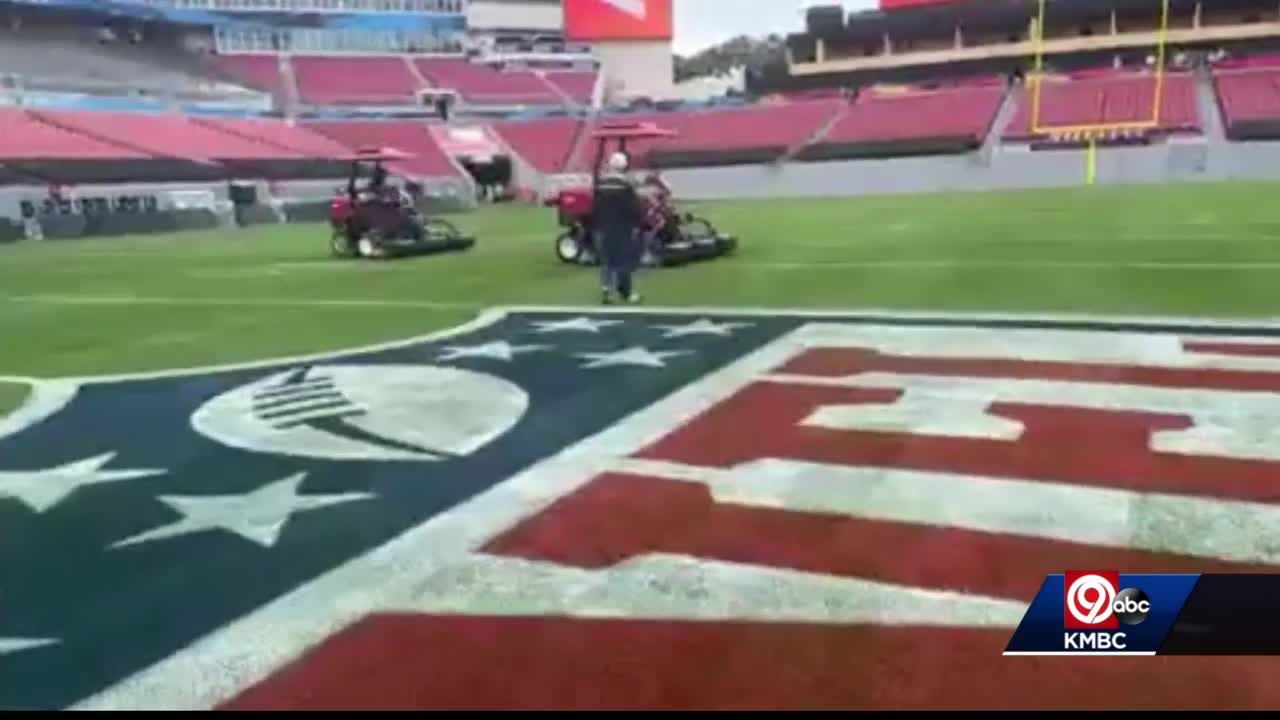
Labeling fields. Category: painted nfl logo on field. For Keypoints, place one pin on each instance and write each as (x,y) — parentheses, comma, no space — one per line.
(879,495)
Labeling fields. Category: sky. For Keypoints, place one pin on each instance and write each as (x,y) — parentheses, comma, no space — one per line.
(702,23)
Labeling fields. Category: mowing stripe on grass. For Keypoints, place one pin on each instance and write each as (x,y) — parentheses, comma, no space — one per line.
(1013,264)
(238,302)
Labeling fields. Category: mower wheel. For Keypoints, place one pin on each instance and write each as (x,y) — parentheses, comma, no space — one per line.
(568,249)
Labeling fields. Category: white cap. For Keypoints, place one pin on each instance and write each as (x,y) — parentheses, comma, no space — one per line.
(618,162)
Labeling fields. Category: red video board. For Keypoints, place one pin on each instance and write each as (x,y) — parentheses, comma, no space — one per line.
(896,4)
(617,19)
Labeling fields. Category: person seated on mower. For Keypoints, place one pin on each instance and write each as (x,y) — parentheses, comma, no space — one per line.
(659,222)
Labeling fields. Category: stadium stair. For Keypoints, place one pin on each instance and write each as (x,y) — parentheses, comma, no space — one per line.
(1211,120)
(565,98)
(289,80)
(1000,124)
(423,81)
(818,135)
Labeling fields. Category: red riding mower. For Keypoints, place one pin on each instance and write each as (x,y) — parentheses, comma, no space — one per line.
(672,238)
(379,221)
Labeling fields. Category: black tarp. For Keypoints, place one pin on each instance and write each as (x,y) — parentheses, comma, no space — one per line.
(10,231)
(1254,130)
(714,158)
(886,149)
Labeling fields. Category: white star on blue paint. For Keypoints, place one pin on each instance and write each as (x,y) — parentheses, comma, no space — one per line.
(633,356)
(702,327)
(42,489)
(258,516)
(578,324)
(16,645)
(501,350)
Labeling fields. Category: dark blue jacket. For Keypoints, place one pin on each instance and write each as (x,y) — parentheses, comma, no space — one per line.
(619,213)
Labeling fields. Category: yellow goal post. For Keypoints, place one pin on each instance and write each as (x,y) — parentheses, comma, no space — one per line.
(1092,132)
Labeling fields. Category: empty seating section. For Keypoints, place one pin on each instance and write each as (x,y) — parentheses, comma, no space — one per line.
(354,80)
(479,83)
(778,127)
(1117,98)
(278,134)
(960,113)
(72,58)
(24,136)
(1249,95)
(545,144)
(577,85)
(255,71)
(173,136)
(407,136)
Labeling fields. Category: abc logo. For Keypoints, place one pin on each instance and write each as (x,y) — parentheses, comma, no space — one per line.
(1131,606)
(1094,601)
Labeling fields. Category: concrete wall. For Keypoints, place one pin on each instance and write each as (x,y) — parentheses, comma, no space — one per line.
(1008,167)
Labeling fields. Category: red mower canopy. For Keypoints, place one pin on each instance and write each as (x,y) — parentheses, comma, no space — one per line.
(631,131)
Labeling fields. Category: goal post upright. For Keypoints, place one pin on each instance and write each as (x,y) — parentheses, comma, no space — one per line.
(1092,132)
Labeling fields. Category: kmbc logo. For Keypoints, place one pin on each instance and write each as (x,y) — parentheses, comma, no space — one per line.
(1094,601)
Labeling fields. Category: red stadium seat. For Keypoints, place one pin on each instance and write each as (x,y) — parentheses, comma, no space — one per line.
(1249,94)
(26,137)
(1109,98)
(545,144)
(481,84)
(408,136)
(354,80)
(963,112)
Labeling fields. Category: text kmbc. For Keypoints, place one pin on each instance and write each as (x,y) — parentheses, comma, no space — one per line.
(1095,601)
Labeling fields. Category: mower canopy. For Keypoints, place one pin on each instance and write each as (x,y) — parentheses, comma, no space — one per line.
(671,238)
(379,220)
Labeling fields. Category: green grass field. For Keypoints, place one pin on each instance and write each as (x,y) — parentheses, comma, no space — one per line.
(128,304)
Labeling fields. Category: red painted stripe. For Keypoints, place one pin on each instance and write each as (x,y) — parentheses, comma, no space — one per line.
(617,517)
(458,662)
(1234,348)
(843,362)
(1091,447)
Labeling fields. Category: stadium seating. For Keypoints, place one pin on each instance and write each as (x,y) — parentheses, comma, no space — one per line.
(24,136)
(69,58)
(545,144)
(1109,98)
(965,113)
(1249,95)
(279,134)
(482,84)
(408,136)
(355,80)
(763,130)
(165,135)
(255,71)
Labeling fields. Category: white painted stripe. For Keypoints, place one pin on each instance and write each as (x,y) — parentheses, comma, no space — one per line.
(1261,266)
(680,588)
(1160,523)
(47,398)
(127,300)
(1244,425)
(1047,345)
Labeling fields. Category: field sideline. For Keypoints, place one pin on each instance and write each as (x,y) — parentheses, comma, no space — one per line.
(133,304)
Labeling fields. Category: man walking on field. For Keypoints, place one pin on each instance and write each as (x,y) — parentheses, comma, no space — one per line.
(619,214)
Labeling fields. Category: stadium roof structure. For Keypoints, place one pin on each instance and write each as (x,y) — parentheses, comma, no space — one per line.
(980,15)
